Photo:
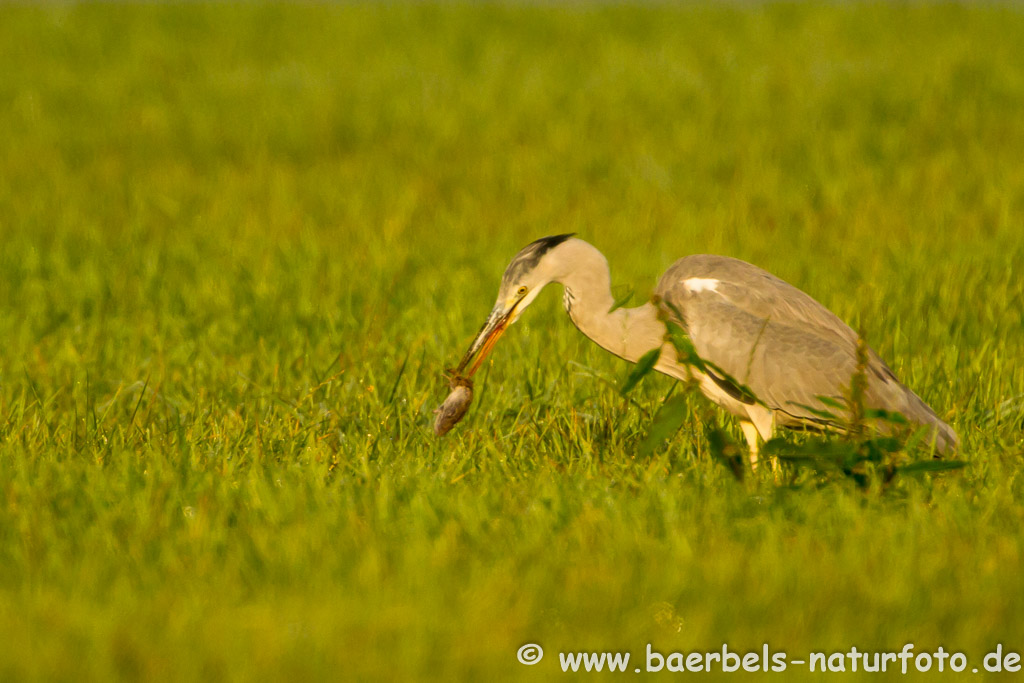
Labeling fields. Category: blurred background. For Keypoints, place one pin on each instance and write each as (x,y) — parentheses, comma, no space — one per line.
(239,242)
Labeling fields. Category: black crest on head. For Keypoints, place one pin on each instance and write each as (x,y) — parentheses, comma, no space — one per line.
(545,244)
(530,255)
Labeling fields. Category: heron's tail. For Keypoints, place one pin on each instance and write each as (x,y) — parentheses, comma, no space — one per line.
(917,411)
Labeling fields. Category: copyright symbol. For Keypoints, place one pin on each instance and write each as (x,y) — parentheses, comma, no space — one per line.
(530,654)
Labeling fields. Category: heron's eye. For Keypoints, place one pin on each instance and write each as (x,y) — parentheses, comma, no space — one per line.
(521,291)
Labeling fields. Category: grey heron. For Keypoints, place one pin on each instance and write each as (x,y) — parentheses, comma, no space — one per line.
(755,329)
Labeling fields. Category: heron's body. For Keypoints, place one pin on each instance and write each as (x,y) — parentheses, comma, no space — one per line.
(757,330)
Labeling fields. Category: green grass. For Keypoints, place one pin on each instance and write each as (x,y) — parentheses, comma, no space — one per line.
(240,243)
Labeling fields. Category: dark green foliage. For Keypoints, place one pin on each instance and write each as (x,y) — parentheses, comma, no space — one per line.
(858,452)
(725,450)
(667,421)
(643,366)
(621,299)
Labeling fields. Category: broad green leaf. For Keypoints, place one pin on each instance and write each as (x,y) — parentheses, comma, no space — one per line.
(669,419)
(886,415)
(686,353)
(931,466)
(817,412)
(621,300)
(831,402)
(643,366)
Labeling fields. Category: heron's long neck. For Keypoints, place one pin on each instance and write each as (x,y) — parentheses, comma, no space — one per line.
(627,332)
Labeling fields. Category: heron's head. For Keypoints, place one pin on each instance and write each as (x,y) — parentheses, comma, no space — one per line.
(535,266)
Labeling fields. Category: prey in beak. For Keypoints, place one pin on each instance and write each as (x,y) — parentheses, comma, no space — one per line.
(455,406)
(497,322)
(522,281)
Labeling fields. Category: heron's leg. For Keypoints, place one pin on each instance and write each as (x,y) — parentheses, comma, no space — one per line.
(751,435)
(760,422)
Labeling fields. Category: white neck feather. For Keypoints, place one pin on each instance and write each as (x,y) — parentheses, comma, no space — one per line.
(626,332)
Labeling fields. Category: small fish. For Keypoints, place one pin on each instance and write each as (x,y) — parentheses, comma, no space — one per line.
(455,406)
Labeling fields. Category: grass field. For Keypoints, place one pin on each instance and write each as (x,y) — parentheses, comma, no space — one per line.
(239,244)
